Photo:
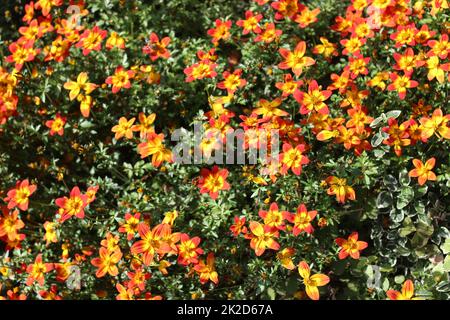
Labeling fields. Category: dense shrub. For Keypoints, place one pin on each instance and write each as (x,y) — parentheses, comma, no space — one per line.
(95,205)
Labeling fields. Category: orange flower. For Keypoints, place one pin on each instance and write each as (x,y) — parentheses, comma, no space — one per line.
(407,61)
(423,171)
(21,53)
(156,48)
(153,146)
(125,293)
(326,48)
(293,158)
(125,128)
(306,17)
(339,187)
(138,279)
(207,270)
(239,226)
(437,70)
(350,246)
(10,224)
(72,206)
(437,124)
(270,108)
(232,81)
(91,193)
(32,32)
(145,125)
(52,294)
(285,257)
(289,86)
(295,60)
(357,65)
(250,24)
(269,33)
(106,263)
(302,220)
(46,5)
(81,84)
(212,181)
(221,31)
(274,218)
(401,83)
(91,40)
(312,282)
(29,12)
(313,100)
(201,70)
(56,125)
(18,197)
(407,292)
(261,238)
(188,250)
(120,79)
(405,35)
(352,45)
(440,48)
(37,270)
(285,8)
(115,41)
(130,226)
(151,242)
(50,232)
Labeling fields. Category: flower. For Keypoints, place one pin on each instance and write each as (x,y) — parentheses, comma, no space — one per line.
(130,226)
(296,59)
(423,171)
(232,81)
(306,17)
(156,48)
(239,226)
(313,100)
(326,48)
(269,108)
(18,197)
(153,146)
(437,124)
(437,70)
(285,258)
(401,83)
(261,238)
(37,270)
(289,86)
(115,41)
(124,128)
(293,158)
(207,270)
(46,5)
(145,125)
(250,24)
(339,187)
(72,206)
(407,292)
(440,48)
(10,224)
(269,33)
(91,40)
(50,232)
(151,241)
(221,31)
(274,218)
(56,125)
(201,70)
(120,79)
(81,84)
(21,53)
(212,181)
(302,220)
(188,250)
(312,282)
(350,246)
(106,262)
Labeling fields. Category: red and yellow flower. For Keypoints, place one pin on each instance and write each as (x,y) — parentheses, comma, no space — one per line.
(212,181)
(18,197)
(312,282)
(295,60)
(351,246)
(261,238)
(302,220)
(423,171)
(120,79)
(73,205)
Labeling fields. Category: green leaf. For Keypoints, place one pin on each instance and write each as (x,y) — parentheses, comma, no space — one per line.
(445,247)
(408,227)
(384,200)
(393,114)
(405,197)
